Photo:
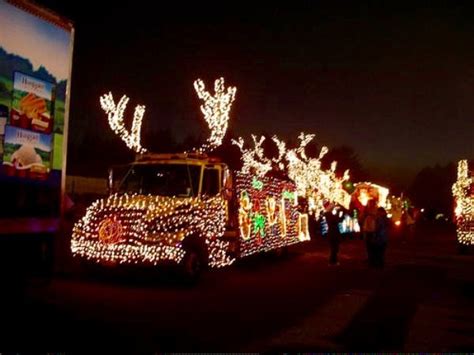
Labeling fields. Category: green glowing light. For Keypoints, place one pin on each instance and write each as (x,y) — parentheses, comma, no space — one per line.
(259,224)
(257,184)
(288,195)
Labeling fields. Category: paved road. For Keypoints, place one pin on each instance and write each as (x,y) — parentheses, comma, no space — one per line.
(422,301)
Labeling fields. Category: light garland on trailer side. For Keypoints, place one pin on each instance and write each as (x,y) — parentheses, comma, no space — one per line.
(218,256)
(303,227)
(264,224)
(464,201)
(270,207)
(115,114)
(216,110)
(149,229)
(283,217)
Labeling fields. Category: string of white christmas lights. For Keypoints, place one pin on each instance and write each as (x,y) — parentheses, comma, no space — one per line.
(115,114)
(216,110)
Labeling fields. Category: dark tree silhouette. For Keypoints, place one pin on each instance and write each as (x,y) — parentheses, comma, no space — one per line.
(189,142)
(346,158)
(228,152)
(431,189)
(160,140)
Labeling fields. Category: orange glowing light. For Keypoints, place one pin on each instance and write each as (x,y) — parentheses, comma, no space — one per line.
(397,223)
(110,231)
(363,197)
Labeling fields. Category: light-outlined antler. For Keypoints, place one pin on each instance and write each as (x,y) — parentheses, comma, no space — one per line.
(281,145)
(304,140)
(253,159)
(216,110)
(115,115)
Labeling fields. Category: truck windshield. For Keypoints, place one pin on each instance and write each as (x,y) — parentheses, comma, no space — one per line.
(181,180)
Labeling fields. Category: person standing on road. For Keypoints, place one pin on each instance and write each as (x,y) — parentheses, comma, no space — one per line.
(333,219)
(368,228)
(410,224)
(380,238)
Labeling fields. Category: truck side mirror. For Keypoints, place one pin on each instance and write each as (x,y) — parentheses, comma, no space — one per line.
(226,190)
(110,182)
(226,193)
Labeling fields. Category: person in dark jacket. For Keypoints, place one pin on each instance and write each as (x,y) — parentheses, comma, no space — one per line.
(334,235)
(368,228)
(380,238)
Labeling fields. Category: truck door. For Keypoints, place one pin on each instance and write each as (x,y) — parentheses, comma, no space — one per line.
(228,194)
(211,181)
(215,179)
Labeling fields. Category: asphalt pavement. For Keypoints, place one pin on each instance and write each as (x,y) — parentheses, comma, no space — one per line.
(422,301)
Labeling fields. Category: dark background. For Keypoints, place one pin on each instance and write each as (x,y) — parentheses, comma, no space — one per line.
(393,81)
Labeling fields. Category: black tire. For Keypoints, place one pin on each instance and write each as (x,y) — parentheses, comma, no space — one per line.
(191,266)
(463,249)
(234,249)
(281,252)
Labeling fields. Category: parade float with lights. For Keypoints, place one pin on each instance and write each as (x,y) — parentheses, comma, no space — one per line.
(463,193)
(366,191)
(191,209)
(398,208)
(358,201)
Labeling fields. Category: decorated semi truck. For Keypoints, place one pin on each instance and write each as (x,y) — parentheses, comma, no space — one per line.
(188,208)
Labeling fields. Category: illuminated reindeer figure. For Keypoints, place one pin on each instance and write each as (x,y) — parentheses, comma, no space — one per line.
(302,170)
(215,109)
(253,159)
(311,180)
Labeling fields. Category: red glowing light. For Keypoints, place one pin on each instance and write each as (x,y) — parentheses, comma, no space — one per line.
(110,231)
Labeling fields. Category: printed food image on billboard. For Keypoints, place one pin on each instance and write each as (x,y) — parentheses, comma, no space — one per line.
(26,154)
(33,103)
(35,64)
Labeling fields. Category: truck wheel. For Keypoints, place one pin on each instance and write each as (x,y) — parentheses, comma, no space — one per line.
(281,252)
(191,266)
(463,249)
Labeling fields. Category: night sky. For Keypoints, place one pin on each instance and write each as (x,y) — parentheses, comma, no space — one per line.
(395,82)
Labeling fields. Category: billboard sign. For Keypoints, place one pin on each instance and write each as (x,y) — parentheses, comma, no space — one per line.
(35,73)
